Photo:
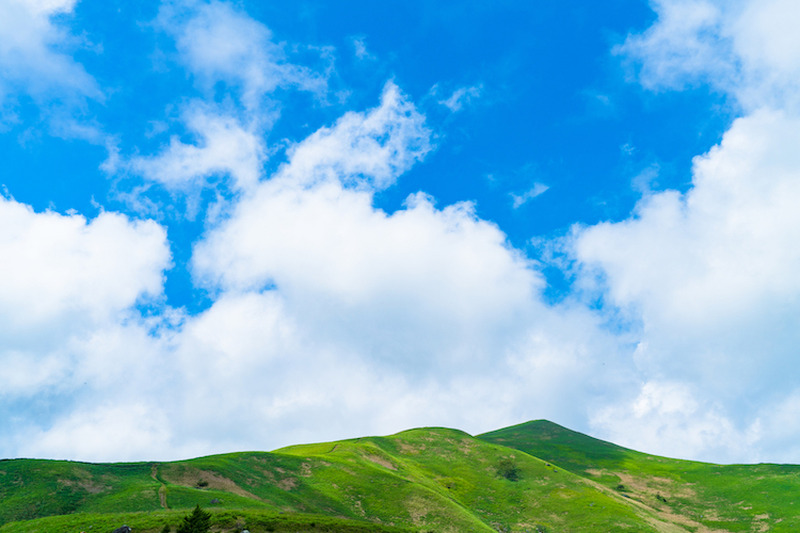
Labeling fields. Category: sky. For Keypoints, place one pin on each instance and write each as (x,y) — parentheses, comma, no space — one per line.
(241,225)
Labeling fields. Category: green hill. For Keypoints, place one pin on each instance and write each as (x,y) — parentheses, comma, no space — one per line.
(696,496)
(532,477)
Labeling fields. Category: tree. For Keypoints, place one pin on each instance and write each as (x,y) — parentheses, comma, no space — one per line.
(198,521)
(508,469)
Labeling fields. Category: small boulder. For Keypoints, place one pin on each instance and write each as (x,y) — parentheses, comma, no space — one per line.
(123,529)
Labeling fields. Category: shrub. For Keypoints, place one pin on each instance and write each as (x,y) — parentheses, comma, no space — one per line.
(508,469)
(198,521)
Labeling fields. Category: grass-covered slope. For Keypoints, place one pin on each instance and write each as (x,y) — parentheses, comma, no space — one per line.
(534,477)
(420,480)
(696,496)
(450,481)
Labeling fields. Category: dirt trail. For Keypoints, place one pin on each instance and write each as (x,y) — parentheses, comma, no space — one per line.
(162,489)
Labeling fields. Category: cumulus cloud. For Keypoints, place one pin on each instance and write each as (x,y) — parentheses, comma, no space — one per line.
(717,264)
(68,321)
(104,433)
(335,314)
(312,232)
(279,376)
(330,313)
(671,419)
(330,317)
(60,266)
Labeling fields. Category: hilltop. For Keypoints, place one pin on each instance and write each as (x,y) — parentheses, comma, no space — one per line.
(536,476)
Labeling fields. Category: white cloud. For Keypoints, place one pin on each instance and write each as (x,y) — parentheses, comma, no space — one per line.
(332,314)
(221,44)
(668,418)
(709,276)
(56,266)
(279,377)
(461,97)
(360,49)
(746,48)
(365,149)
(722,250)
(50,7)
(224,147)
(331,318)
(63,280)
(687,44)
(711,273)
(30,58)
(108,432)
(71,335)
(352,320)
(432,271)
(518,200)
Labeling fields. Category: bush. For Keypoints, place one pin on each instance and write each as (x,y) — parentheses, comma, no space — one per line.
(508,469)
(198,521)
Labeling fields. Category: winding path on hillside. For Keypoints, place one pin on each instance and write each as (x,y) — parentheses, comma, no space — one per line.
(162,489)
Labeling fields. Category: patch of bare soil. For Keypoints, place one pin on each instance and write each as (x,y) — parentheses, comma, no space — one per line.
(92,487)
(417,510)
(382,461)
(760,524)
(85,481)
(652,487)
(410,449)
(288,483)
(662,518)
(191,477)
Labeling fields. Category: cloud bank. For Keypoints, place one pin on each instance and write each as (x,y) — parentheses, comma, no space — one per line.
(710,275)
(330,316)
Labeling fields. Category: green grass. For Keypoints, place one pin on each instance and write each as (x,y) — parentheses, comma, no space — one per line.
(760,497)
(443,478)
(227,521)
(532,477)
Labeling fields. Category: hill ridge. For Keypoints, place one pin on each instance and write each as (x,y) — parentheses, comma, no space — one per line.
(533,476)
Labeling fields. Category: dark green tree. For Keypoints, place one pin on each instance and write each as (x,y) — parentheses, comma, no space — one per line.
(198,521)
(508,469)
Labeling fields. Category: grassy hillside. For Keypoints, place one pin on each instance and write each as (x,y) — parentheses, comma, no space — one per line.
(424,480)
(451,481)
(534,477)
(697,496)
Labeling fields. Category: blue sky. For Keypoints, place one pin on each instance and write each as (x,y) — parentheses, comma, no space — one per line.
(241,225)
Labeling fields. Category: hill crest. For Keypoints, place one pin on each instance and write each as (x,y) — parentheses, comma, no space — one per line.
(535,476)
